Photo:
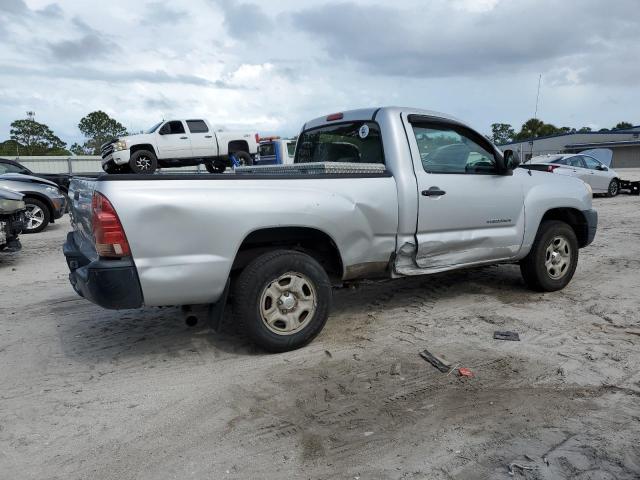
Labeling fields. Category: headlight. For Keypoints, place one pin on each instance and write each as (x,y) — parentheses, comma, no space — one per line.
(52,190)
(119,145)
(8,206)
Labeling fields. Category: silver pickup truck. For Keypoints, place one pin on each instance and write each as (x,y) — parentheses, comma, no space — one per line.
(405,192)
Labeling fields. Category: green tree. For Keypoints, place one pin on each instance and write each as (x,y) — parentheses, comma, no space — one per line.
(99,128)
(35,138)
(530,129)
(502,133)
(585,130)
(10,148)
(78,149)
(622,126)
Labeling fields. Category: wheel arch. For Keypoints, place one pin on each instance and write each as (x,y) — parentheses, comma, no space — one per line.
(43,198)
(238,145)
(143,146)
(309,240)
(574,218)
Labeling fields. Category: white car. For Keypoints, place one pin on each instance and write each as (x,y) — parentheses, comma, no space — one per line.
(591,166)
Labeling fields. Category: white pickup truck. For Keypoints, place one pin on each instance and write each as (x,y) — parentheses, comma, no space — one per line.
(179,143)
(379,192)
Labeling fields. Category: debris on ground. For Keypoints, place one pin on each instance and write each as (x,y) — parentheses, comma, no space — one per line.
(437,362)
(396,368)
(510,336)
(328,353)
(521,467)
(465,372)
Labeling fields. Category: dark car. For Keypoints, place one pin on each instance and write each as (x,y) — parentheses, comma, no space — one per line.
(12,219)
(60,179)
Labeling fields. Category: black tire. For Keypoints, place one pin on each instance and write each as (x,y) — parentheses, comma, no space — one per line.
(614,188)
(251,296)
(537,275)
(143,162)
(217,166)
(34,205)
(244,158)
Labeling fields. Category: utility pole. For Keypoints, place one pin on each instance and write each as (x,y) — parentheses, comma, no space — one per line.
(535,115)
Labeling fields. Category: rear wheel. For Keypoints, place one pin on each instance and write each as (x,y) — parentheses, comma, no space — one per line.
(553,258)
(37,215)
(243,158)
(143,161)
(283,299)
(217,166)
(614,188)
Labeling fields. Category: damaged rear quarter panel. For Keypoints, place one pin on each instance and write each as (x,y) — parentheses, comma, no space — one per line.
(184,234)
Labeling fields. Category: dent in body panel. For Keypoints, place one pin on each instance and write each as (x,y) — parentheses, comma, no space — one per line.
(184,235)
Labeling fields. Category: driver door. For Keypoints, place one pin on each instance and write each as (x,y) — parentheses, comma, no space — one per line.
(173,140)
(468,213)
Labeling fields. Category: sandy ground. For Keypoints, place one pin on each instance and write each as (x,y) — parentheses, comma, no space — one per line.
(95,394)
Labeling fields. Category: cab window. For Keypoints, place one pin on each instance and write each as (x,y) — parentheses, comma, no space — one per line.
(172,128)
(10,168)
(448,149)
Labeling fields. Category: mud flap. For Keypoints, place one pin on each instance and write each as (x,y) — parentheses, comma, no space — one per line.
(215,313)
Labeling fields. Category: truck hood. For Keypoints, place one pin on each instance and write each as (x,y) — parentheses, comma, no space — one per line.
(20,177)
(138,139)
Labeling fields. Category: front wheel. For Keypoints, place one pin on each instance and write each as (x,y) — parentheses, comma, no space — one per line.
(283,299)
(553,258)
(37,215)
(614,188)
(143,161)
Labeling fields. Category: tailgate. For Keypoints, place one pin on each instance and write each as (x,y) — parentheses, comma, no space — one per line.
(81,195)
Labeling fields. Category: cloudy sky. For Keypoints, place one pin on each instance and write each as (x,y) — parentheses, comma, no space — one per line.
(271,65)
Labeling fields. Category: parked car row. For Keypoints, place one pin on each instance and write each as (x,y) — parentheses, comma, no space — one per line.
(28,203)
(12,219)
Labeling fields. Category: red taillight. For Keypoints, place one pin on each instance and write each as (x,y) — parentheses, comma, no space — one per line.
(551,168)
(257,138)
(107,229)
(335,116)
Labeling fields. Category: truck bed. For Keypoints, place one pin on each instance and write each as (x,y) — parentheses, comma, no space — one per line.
(178,225)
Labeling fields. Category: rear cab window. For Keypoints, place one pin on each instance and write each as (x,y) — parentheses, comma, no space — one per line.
(347,142)
(197,126)
(267,150)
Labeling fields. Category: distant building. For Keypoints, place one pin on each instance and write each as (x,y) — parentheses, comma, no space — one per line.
(624,143)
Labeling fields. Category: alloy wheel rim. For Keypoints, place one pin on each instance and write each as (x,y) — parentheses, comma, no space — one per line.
(35,217)
(143,163)
(288,303)
(613,188)
(558,257)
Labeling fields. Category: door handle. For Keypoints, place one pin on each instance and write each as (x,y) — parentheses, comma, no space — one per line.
(184,138)
(208,136)
(433,192)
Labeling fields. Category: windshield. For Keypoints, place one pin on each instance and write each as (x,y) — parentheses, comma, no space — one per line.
(353,142)
(154,128)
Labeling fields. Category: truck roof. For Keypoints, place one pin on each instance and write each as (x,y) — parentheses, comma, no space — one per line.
(371,113)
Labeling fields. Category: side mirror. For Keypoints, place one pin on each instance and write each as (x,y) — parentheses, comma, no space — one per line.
(602,168)
(164,130)
(511,160)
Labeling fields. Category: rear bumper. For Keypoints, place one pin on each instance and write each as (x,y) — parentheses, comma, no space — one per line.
(591,217)
(111,284)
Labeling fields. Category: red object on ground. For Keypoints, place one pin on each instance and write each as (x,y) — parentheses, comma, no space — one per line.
(465,372)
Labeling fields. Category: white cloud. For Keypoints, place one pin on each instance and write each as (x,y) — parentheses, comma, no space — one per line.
(271,68)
